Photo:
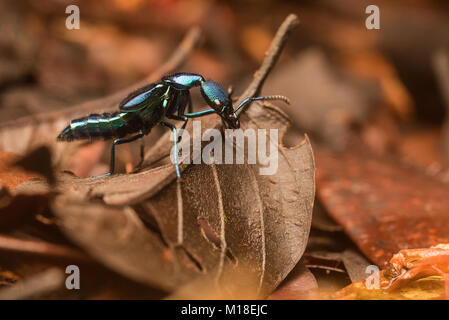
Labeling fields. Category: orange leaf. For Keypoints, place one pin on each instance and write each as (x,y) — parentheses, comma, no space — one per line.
(11,176)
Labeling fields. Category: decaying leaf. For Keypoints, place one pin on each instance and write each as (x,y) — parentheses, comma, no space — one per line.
(262,221)
(410,274)
(38,161)
(322,221)
(425,289)
(229,215)
(118,238)
(382,205)
(299,284)
(116,190)
(354,263)
(11,176)
(21,209)
(219,218)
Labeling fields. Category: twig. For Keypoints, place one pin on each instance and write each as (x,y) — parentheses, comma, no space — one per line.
(317,266)
(271,57)
(441,68)
(42,249)
(110,102)
(254,87)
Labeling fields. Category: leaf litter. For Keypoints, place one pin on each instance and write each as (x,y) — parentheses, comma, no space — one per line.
(150,204)
(220,219)
(382,204)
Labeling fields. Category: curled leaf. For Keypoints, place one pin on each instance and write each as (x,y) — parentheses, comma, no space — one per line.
(229,215)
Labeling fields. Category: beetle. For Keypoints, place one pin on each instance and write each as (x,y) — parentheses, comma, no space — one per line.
(153,104)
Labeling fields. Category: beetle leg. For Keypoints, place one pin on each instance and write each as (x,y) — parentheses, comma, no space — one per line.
(189,110)
(183,102)
(175,117)
(188,103)
(142,151)
(114,143)
(180,118)
(175,144)
(199,113)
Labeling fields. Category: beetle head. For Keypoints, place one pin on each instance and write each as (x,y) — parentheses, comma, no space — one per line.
(219,100)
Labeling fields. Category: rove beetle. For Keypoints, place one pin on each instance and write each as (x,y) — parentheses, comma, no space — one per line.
(150,105)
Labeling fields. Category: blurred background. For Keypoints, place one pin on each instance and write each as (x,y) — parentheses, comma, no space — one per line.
(347,84)
(385,91)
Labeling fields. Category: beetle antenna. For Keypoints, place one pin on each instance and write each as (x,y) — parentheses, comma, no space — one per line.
(276,97)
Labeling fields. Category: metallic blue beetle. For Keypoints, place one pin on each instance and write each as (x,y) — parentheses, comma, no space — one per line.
(150,105)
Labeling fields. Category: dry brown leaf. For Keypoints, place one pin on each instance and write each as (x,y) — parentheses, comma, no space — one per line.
(230,214)
(262,221)
(411,274)
(21,209)
(299,285)
(225,216)
(11,176)
(382,204)
(424,289)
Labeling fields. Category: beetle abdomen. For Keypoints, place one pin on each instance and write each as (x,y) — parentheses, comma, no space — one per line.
(102,126)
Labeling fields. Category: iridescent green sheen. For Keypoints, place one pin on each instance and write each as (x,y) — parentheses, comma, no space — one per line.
(183,81)
(150,105)
(145,97)
(215,96)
